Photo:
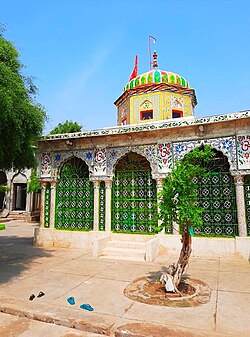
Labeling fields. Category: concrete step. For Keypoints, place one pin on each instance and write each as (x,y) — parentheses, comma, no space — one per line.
(121,258)
(126,244)
(138,254)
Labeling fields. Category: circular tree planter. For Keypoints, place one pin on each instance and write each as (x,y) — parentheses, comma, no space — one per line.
(145,290)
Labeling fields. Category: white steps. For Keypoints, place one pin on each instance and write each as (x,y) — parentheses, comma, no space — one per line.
(124,250)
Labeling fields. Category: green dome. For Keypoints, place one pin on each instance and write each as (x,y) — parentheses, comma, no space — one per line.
(157,76)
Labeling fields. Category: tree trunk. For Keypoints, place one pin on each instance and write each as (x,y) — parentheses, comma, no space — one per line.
(175,271)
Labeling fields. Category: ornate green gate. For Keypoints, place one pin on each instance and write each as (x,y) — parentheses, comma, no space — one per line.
(247,201)
(74,197)
(217,197)
(134,207)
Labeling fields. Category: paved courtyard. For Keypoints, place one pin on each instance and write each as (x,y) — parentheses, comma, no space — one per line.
(60,273)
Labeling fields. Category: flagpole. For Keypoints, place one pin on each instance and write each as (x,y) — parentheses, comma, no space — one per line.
(149,50)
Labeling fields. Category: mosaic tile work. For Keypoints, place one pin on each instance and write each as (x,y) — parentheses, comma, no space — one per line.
(51,162)
(137,106)
(100,161)
(85,155)
(102,205)
(148,151)
(47,193)
(46,165)
(226,145)
(243,151)
(164,157)
(152,126)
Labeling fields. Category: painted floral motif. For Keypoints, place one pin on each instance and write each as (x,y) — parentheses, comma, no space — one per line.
(225,145)
(100,161)
(164,157)
(46,165)
(150,151)
(243,150)
(89,155)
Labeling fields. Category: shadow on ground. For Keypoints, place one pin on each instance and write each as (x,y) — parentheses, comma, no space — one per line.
(16,255)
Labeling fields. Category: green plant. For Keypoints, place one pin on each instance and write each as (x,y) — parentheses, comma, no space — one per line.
(66,127)
(2,226)
(4,188)
(178,199)
(19,111)
(34,184)
(178,202)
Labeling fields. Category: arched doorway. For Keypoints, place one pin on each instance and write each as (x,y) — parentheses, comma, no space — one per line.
(3,183)
(74,197)
(134,197)
(217,197)
(19,192)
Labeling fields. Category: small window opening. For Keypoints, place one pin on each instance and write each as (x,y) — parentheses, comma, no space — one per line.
(147,114)
(177,113)
(124,120)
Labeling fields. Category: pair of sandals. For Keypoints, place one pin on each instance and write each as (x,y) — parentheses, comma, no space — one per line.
(32,296)
(71,301)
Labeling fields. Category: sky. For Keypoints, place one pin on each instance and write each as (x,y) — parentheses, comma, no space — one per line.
(81,52)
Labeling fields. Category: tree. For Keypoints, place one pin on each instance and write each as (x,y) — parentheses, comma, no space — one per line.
(66,127)
(21,117)
(34,185)
(178,203)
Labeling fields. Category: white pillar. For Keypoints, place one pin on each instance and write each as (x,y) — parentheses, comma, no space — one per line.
(52,203)
(108,186)
(240,202)
(29,199)
(96,204)
(159,187)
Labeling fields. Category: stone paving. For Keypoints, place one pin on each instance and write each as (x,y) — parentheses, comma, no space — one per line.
(60,273)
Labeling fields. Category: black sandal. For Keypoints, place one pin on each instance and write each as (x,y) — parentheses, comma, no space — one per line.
(41,294)
(32,296)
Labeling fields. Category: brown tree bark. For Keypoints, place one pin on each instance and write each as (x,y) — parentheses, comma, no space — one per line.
(175,271)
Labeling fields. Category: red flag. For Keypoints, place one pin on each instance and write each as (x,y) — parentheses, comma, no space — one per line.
(135,70)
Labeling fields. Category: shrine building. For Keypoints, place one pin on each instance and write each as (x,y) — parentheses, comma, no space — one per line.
(100,187)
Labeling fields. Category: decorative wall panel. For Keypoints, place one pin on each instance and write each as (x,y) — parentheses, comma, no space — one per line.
(46,165)
(226,145)
(243,151)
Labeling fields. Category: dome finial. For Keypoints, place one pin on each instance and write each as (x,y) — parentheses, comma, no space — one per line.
(155,63)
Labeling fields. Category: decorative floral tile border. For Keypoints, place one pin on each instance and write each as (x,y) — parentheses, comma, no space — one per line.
(151,126)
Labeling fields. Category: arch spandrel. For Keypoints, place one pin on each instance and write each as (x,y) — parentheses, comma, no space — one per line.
(148,152)
(225,145)
(59,158)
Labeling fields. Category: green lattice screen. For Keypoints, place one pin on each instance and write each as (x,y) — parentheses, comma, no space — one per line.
(102,204)
(47,194)
(74,204)
(217,196)
(74,197)
(134,208)
(247,201)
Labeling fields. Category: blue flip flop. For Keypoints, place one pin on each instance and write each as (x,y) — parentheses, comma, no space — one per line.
(71,300)
(86,307)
